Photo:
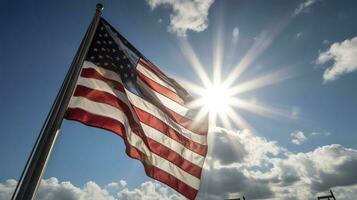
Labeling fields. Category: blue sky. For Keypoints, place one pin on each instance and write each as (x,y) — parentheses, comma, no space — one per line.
(315,39)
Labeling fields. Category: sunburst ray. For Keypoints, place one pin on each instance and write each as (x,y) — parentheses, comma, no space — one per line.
(263,81)
(260,109)
(191,56)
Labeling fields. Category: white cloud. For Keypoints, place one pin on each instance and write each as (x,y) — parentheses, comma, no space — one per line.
(304,6)
(317,171)
(7,188)
(343,55)
(122,183)
(149,191)
(114,187)
(187,14)
(298,137)
(53,189)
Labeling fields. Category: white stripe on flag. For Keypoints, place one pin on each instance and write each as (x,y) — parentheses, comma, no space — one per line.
(187,154)
(167,102)
(104,72)
(102,86)
(153,77)
(106,110)
(153,110)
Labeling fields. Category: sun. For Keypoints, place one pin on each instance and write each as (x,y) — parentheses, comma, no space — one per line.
(216,99)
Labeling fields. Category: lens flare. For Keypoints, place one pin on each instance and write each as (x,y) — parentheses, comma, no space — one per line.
(217,96)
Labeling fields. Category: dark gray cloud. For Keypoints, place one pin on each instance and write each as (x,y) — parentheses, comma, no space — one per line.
(344,175)
(288,176)
(230,148)
(219,183)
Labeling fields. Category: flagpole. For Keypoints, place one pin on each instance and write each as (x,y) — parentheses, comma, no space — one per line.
(36,164)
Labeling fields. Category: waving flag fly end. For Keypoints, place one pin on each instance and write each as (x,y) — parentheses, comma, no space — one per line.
(121,91)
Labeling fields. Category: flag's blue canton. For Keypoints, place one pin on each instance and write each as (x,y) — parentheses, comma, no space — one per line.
(112,51)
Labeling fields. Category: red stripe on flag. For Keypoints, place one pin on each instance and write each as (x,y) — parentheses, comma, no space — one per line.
(92,73)
(200,128)
(174,157)
(95,120)
(118,128)
(159,125)
(151,67)
(104,97)
(160,89)
(171,181)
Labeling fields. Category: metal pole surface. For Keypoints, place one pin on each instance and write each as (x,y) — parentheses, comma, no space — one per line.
(34,169)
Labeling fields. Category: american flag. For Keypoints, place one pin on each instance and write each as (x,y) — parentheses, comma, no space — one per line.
(121,91)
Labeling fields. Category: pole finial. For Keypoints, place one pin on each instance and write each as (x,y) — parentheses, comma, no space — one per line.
(99,7)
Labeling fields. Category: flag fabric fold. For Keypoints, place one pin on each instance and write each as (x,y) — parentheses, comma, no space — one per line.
(122,91)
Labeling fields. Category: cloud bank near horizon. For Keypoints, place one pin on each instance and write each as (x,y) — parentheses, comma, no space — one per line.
(239,163)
